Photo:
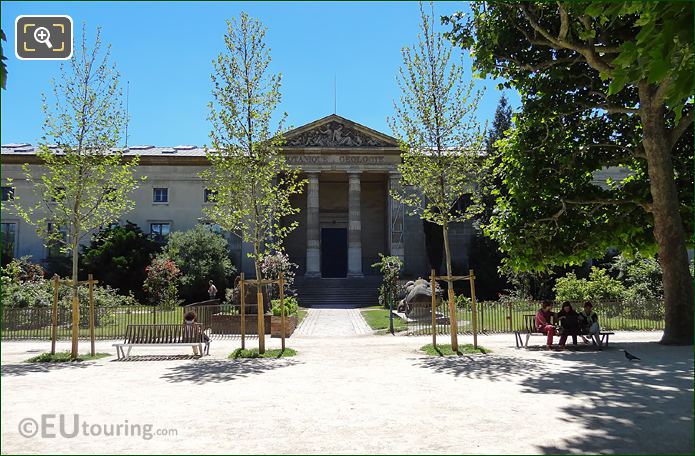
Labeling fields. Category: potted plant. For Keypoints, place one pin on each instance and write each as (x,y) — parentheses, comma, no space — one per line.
(291,308)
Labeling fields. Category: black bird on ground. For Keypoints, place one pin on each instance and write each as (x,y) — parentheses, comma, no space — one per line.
(630,356)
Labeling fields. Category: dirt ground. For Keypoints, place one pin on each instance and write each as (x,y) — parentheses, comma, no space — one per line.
(355,395)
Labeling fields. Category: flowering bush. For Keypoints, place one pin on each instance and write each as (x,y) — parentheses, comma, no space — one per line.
(23,270)
(271,267)
(161,284)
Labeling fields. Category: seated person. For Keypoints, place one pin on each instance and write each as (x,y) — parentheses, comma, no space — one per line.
(188,319)
(544,324)
(569,324)
(588,321)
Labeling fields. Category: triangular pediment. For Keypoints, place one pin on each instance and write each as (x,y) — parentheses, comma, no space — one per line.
(335,131)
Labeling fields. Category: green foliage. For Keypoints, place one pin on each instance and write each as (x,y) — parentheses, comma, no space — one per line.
(201,255)
(598,287)
(85,181)
(64,357)
(390,267)
(23,270)
(161,283)
(578,76)
(251,181)
(118,255)
(641,277)
(253,353)
(39,293)
(291,306)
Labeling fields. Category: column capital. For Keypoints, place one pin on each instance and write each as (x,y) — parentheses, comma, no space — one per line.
(313,175)
(354,174)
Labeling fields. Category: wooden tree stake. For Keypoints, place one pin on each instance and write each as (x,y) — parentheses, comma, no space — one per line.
(433,287)
(242,311)
(54,314)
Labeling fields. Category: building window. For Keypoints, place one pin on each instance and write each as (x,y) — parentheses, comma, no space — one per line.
(55,246)
(7,193)
(9,239)
(209,195)
(160,231)
(160,195)
(212,226)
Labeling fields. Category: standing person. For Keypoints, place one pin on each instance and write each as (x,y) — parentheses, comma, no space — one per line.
(588,320)
(544,324)
(569,324)
(212,290)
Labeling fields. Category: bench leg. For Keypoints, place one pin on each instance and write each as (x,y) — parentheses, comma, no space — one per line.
(528,336)
(128,354)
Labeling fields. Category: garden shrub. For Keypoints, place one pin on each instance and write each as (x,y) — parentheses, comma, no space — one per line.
(291,306)
(201,255)
(390,267)
(117,256)
(274,264)
(161,283)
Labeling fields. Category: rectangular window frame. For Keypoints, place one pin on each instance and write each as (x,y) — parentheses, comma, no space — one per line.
(157,198)
(15,236)
(7,193)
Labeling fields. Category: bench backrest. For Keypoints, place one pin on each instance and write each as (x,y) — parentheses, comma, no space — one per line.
(530,323)
(164,334)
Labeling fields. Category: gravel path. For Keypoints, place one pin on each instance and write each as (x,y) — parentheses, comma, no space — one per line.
(356,395)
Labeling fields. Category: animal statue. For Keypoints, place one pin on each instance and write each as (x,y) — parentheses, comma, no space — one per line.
(417,302)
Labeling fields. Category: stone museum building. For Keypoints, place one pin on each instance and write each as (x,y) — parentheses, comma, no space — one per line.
(347,216)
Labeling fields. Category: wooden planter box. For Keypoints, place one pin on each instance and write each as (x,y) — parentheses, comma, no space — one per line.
(231,324)
(276,326)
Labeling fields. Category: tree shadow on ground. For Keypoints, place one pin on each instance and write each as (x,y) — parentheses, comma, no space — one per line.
(20,369)
(216,371)
(642,407)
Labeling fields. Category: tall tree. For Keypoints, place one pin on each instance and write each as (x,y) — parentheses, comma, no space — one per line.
(602,84)
(485,256)
(250,181)
(85,181)
(441,139)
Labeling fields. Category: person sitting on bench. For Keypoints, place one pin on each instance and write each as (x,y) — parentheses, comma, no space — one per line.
(189,318)
(544,324)
(588,320)
(569,324)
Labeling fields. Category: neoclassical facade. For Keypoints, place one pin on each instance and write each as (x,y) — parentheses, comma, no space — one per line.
(346,219)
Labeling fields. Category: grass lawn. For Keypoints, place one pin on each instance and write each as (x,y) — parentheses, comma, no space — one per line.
(445,350)
(253,353)
(379,319)
(301,314)
(64,357)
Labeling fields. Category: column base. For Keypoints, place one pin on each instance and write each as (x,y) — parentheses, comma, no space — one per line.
(355,275)
(312,275)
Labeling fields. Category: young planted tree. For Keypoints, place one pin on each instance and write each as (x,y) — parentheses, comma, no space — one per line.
(602,84)
(441,139)
(249,179)
(85,181)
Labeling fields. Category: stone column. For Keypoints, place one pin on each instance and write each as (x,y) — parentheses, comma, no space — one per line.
(395,217)
(354,226)
(313,234)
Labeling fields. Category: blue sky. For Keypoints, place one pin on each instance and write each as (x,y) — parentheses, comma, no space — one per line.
(165,49)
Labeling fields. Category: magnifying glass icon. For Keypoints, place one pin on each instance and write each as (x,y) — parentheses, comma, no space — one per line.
(43,36)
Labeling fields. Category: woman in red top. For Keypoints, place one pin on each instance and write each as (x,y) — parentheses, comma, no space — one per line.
(544,324)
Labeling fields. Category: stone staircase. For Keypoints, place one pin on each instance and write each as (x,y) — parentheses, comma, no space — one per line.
(318,292)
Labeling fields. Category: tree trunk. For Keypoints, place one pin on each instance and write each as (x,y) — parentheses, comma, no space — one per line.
(450,290)
(668,225)
(75,305)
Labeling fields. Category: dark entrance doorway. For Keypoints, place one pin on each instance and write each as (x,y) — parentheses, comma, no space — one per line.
(333,252)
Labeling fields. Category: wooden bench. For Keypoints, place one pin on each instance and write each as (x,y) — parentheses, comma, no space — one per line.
(530,330)
(164,335)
